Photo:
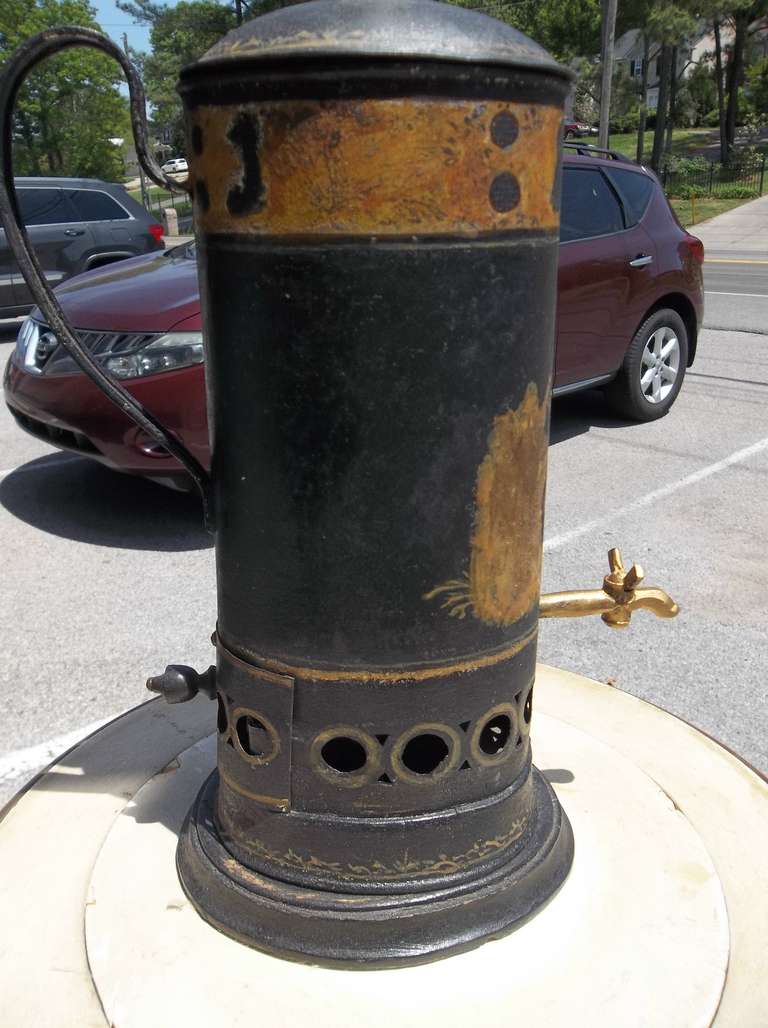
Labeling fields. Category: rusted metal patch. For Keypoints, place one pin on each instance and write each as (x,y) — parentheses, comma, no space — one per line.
(374,167)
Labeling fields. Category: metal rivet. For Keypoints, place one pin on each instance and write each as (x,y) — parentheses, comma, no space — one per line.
(505,192)
(504,129)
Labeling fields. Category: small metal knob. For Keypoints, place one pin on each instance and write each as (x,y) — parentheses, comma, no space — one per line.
(180,683)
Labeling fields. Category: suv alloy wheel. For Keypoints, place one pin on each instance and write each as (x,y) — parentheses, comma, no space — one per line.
(653,370)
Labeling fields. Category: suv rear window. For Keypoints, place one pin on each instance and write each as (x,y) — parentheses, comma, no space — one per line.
(589,206)
(44,207)
(635,189)
(93,205)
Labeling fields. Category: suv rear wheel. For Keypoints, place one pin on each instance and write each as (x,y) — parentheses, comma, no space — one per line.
(653,370)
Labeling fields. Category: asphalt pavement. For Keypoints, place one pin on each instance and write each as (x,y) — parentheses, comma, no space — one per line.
(107,578)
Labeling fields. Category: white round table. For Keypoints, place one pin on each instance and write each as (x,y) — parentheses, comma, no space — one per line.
(662,920)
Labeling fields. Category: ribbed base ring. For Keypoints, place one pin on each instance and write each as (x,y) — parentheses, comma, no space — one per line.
(368,931)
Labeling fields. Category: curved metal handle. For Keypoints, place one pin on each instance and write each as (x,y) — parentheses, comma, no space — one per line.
(15,71)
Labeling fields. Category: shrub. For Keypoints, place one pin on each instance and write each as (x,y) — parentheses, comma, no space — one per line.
(683,191)
(736,192)
(628,122)
(711,119)
(686,165)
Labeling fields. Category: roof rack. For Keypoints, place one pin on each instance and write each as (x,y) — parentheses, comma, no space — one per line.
(587,150)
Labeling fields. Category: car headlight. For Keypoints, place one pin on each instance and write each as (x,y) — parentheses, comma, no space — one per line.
(166,353)
(26,340)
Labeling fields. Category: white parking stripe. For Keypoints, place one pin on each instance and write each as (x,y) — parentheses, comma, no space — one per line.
(23,763)
(556,542)
(718,292)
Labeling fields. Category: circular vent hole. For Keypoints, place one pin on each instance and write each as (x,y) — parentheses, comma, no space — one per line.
(495,735)
(424,754)
(344,754)
(221,716)
(528,707)
(253,736)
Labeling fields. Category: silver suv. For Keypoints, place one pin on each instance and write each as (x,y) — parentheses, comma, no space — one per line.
(75,224)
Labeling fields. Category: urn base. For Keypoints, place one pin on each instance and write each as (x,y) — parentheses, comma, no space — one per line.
(386,929)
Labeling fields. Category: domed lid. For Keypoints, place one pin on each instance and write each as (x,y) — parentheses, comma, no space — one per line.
(382,28)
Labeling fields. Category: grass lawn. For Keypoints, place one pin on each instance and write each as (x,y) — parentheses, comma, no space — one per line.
(161,198)
(706,207)
(685,142)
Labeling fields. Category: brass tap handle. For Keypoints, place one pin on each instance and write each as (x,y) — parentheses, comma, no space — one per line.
(615,602)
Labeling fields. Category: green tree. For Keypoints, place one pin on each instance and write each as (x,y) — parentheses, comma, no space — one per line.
(69,107)
(178,36)
(702,90)
(669,24)
(757,87)
(743,15)
(564,28)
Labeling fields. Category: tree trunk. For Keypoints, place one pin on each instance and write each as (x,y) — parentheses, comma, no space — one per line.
(661,109)
(672,99)
(643,99)
(720,93)
(48,145)
(735,75)
(29,143)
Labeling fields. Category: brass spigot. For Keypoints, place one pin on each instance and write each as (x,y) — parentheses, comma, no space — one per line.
(615,602)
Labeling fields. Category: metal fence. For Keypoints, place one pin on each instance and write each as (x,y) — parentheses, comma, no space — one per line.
(158,201)
(715,179)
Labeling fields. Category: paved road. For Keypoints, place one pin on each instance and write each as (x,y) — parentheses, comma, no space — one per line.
(737,293)
(106,578)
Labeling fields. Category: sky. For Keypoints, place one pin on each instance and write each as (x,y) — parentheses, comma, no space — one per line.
(116,22)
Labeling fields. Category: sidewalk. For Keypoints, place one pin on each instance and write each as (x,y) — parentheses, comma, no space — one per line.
(177,240)
(739,234)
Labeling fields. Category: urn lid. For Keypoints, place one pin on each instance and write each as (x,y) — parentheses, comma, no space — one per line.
(398,29)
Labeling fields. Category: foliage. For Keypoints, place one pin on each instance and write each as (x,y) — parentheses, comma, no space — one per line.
(702,91)
(686,165)
(711,119)
(736,192)
(686,111)
(757,86)
(564,28)
(178,36)
(70,106)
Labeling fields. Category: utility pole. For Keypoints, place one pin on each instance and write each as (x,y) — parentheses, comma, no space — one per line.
(142,180)
(606,67)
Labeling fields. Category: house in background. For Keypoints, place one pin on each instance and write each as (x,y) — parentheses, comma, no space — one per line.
(628,55)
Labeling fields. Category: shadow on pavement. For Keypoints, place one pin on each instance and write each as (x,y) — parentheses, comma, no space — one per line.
(76,498)
(575,415)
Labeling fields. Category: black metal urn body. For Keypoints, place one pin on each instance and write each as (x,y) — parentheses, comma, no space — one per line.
(376,201)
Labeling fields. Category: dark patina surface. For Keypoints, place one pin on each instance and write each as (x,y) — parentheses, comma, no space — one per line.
(377,222)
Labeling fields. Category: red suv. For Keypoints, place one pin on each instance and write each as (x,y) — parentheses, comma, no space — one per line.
(630,302)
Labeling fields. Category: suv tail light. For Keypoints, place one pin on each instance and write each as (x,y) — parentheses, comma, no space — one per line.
(157,232)
(696,247)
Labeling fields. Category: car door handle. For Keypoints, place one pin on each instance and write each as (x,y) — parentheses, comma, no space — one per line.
(641,260)
(74,231)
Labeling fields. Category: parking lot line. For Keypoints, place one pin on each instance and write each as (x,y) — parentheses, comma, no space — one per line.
(556,542)
(719,292)
(733,260)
